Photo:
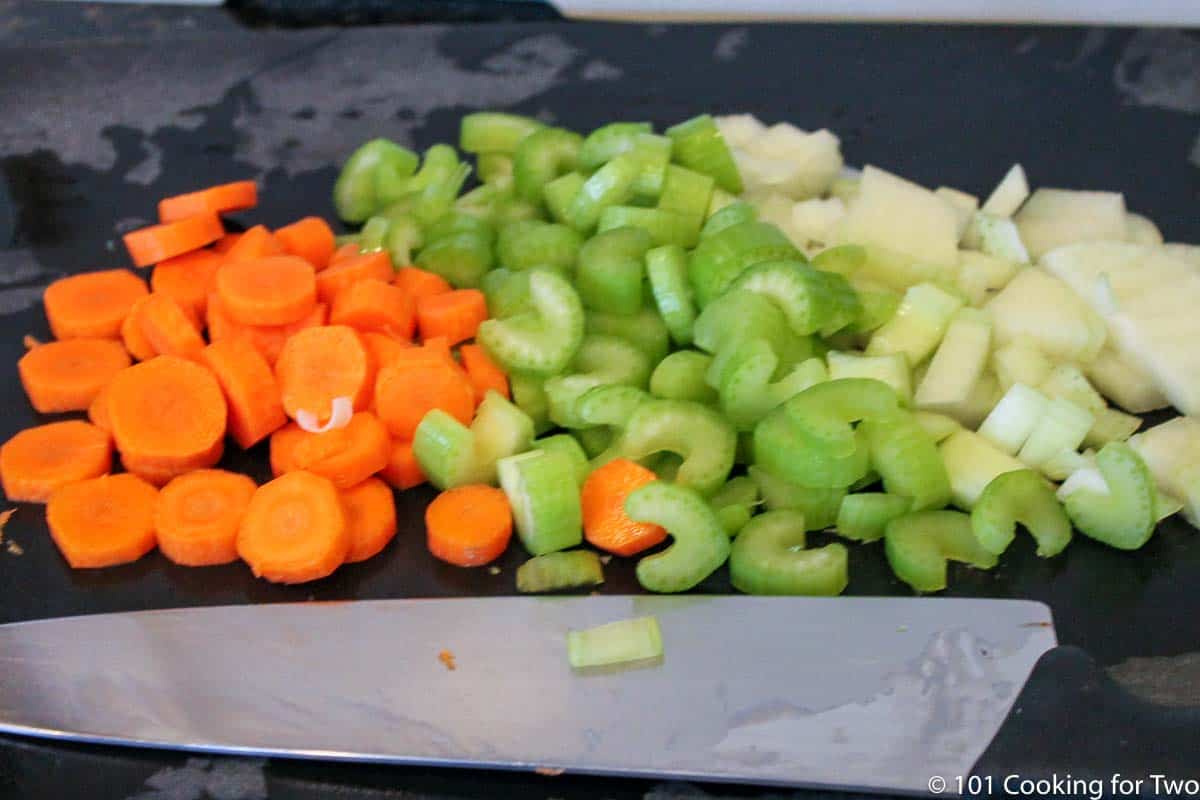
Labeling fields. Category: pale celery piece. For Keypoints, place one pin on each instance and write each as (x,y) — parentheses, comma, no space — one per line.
(1121,510)
(918,326)
(891,369)
(919,544)
(615,643)
(769,557)
(972,462)
(1014,418)
(957,364)
(699,545)
(554,572)
(864,517)
(1025,497)
(1063,426)
(544,496)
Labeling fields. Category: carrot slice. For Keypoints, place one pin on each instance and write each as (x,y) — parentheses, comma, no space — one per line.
(350,270)
(421,284)
(156,243)
(370,517)
(377,305)
(197,516)
(92,305)
(188,279)
(251,391)
(226,242)
(275,290)
(345,456)
(384,349)
(168,413)
(317,365)
(167,327)
(469,526)
(102,521)
(236,196)
(153,471)
(258,242)
(98,411)
(605,523)
(310,238)
(485,375)
(67,375)
(405,393)
(267,339)
(345,251)
(38,460)
(402,470)
(294,529)
(454,315)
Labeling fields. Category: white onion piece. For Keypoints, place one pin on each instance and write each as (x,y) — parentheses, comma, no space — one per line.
(1088,478)
(339,417)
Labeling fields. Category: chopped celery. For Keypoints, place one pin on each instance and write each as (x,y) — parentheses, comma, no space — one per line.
(611,271)
(700,545)
(560,193)
(957,364)
(611,185)
(686,193)
(461,258)
(653,155)
(1063,426)
(819,506)
(908,461)
(704,439)
(525,244)
(735,503)
(529,395)
(451,454)
(1013,419)
(680,376)
(1121,513)
(373,236)
(554,572)
(918,326)
(615,643)
(666,269)
(735,213)
(541,157)
(972,462)
(354,194)
(811,300)
(568,447)
(1025,497)
(721,257)
(939,426)
(769,557)
(506,292)
(645,330)
(864,517)
(879,305)
(918,545)
(600,360)
(664,227)
(746,391)
(610,405)
(891,369)
(609,141)
(544,340)
(402,238)
(541,489)
(737,316)
(698,145)
(494,168)
(494,132)
(596,442)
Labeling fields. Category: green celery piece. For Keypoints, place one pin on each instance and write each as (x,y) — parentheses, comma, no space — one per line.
(819,506)
(542,341)
(698,145)
(610,405)
(769,557)
(403,236)
(864,517)
(879,306)
(600,360)
(1025,497)
(609,141)
(704,439)
(529,243)
(461,258)
(666,269)
(738,316)
(680,376)
(373,236)
(664,227)
(597,443)
(566,445)
(721,257)
(354,194)
(541,157)
(919,544)
(611,271)
(891,369)
(687,193)
(844,259)
(510,208)
(451,454)
(699,547)
(907,459)
(747,393)
(553,572)
(494,168)
(1124,517)
(813,301)
(438,196)
(735,503)
(507,292)
(455,221)
(440,167)
(541,489)
(611,185)
(644,330)
(615,643)
(735,213)
(494,132)
(485,201)
(529,395)
(560,193)
(653,155)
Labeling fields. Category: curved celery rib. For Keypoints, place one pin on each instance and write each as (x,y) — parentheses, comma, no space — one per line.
(612,405)
(680,376)
(494,132)
(541,157)
(747,393)
(1025,497)
(819,506)
(864,517)
(735,503)
(461,258)
(699,145)
(700,544)
(737,316)
(451,454)
(529,243)
(1123,516)
(908,461)
(354,194)
(611,185)
(720,258)
(666,269)
(554,572)
(918,545)
(611,271)
(543,341)
(768,557)
(645,330)
(600,361)
(697,433)
(813,301)
(735,213)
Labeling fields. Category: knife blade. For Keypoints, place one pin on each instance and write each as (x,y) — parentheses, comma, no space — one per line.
(864,693)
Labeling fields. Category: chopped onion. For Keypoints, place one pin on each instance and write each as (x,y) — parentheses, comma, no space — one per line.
(340,413)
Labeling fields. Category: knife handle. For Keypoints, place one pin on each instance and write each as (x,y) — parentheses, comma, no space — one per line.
(1071,717)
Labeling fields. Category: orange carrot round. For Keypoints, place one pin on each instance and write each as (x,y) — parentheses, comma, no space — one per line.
(377,305)
(453,315)
(350,270)
(420,283)
(159,242)
(370,518)
(605,523)
(403,470)
(67,375)
(102,521)
(317,365)
(276,290)
(258,242)
(469,526)
(154,472)
(310,238)
(405,393)
(382,348)
(97,412)
(167,327)
(485,375)
(236,196)
(38,460)
(251,391)
(188,279)
(267,339)
(345,251)
(225,243)
(92,305)
(345,456)
(197,516)
(294,529)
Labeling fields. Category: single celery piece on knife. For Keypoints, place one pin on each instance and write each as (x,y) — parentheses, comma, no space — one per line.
(864,517)
(919,545)
(542,341)
(1171,451)
(819,506)
(1021,361)
(957,364)
(615,643)
(567,446)
(918,326)
(680,376)
(735,503)
(544,496)
(494,132)
(1119,506)
(972,462)
(1063,426)
(939,426)
(892,369)
(1013,419)
(451,454)
(769,557)
(1025,497)
(908,461)
(699,544)
(704,439)
(554,572)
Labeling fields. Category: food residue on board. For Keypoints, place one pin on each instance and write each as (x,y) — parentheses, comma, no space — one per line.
(30,341)
(12,547)
(447,659)
(549,772)
(493,570)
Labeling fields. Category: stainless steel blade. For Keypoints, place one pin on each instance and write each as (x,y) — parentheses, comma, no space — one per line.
(851,692)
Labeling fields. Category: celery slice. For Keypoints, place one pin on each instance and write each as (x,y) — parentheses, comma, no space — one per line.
(735,503)
(864,517)
(699,547)
(543,341)
(1122,513)
(704,439)
(698,145)
(611,270)
(567,446)
(918,326)
(1025,497)
(666,269)
(891,369)
(644,330)
(746,391)
(560,193)
(918,545)
(1063,426)
(525,244)
(615,643)
(542,156)
(451,454)
(908,461)
(769,557)
(721,257)
(735,213)
(494,132)
(554,572)
(680,376)
(819,506)
(611,185)
(1013,419)
(972,462)
(541,489)
(609,141)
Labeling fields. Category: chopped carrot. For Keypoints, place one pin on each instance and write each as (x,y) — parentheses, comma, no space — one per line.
(38,460)
(294,529)
(251,391)
(310,238)
(236,196)
(258,242)
(188,279)
(485,375)
(197,516)
(5,516)
(384,349)
(167,328)
(267,339)
(420,283)
(318,365)
(605,523)
(227,241)
(405,393)
(169,331)
(469,526)
(345,251)
(275,290)
(447,659)
(349,271)
(157,243)
(168,414)
(103,521)
(133,336)
(92,305)
(345,456)
(153,471)
(402,470)
(439,347)
(454,315)
(370,518)
(98,411)
(67,375)
(374,305)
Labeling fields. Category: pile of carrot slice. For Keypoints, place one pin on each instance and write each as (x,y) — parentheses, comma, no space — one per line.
(240,338)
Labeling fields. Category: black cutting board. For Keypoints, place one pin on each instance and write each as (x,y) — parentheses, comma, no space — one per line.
(94,132)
